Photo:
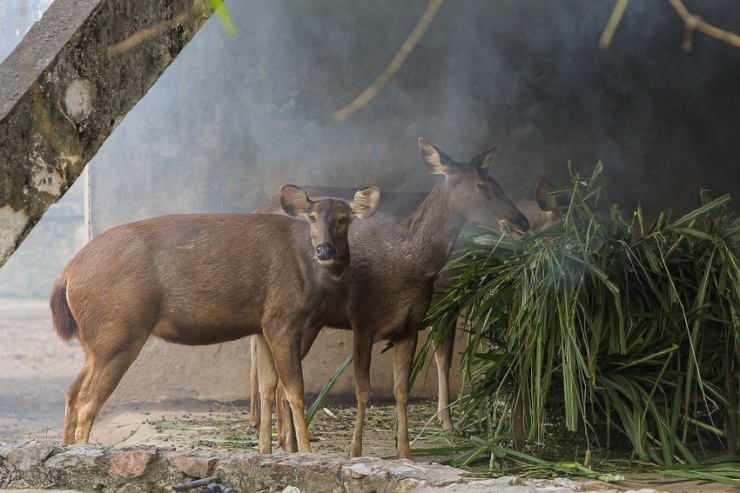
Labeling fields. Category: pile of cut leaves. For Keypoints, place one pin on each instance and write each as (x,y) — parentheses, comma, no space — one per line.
(625,333)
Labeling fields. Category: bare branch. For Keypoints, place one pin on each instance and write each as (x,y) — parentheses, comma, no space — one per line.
(695,23)
(612,23)
(395,64)
(692,22)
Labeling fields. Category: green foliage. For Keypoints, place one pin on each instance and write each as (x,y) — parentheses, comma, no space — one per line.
(319,402)
(220,9)
(634,328)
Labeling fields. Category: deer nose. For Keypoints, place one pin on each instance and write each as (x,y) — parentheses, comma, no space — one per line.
(325,251)
(524,223)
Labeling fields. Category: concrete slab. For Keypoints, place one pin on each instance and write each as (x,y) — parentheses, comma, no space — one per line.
(140,469)
(68,84)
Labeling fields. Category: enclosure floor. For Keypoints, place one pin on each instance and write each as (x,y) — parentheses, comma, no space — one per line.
(35,368)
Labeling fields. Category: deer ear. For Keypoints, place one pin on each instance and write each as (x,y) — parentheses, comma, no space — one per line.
(294,201)
(546,200)
(435,160)
(483,160)
(366,202)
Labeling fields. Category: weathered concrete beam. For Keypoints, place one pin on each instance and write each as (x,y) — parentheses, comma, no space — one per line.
(64,89)
(150,469)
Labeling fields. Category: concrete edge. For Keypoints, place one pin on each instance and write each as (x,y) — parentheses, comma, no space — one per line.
(36,465)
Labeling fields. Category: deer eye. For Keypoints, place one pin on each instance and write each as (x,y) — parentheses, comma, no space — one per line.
(484,189)
(312,218)
(342,220)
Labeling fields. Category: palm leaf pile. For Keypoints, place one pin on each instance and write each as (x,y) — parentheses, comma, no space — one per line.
(624,329)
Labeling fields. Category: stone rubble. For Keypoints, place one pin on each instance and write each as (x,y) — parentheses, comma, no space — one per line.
(142,469)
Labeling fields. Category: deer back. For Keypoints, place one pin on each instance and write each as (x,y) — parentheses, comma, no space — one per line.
(195,278)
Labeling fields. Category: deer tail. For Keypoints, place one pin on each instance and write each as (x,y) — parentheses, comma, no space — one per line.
(64,322)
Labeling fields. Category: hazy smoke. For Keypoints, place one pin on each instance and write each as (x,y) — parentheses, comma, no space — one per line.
(233,119)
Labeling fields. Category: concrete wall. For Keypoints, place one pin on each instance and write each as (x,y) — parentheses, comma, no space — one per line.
(235,118)
(167,372)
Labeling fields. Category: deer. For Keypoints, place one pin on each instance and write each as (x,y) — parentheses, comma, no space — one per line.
(395,204)
(198,279)
(394,264)
(541,212)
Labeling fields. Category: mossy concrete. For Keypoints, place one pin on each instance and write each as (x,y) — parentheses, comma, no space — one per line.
(70,81)
(150,469)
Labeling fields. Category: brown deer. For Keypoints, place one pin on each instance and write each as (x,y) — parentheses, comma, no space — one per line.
(199,279)
(395,204)
(541,214)
(394,263)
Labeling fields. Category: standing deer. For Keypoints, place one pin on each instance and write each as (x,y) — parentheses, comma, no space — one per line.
(394,204)
(541,213)
(199,279)
(394,263)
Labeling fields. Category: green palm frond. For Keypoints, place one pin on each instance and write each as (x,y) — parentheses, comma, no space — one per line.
(633,327)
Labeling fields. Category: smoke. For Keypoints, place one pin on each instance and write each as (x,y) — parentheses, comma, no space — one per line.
(233,119)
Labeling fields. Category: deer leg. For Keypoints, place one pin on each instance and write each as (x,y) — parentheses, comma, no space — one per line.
(403,360)
(254,399)
(101,380)
(70,411)
(287,356)
(268,379)
(284,420)
(362,355)
(286,431)
(443,358)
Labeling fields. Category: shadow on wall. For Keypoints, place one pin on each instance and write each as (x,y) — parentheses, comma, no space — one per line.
(233,119)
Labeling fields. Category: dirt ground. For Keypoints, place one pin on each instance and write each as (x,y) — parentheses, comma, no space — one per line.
(36,367)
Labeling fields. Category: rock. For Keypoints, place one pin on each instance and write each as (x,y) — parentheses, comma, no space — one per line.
(194,464)
(143,469)
(27,456)
(76,457)
(131,463)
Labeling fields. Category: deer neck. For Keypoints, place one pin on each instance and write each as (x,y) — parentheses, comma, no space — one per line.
(432,229)
(334,272)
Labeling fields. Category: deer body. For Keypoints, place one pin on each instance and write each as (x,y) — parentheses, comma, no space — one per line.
(195,262)
(392,306)
(203,279)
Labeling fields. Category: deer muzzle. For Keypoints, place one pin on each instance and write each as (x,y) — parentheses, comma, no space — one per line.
(325,252)
(517,228)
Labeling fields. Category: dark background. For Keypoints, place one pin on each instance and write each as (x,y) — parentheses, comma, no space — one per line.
(234,118)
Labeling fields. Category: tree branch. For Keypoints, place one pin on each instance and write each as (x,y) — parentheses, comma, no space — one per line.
(695,23)
(692,22)
(406,48)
